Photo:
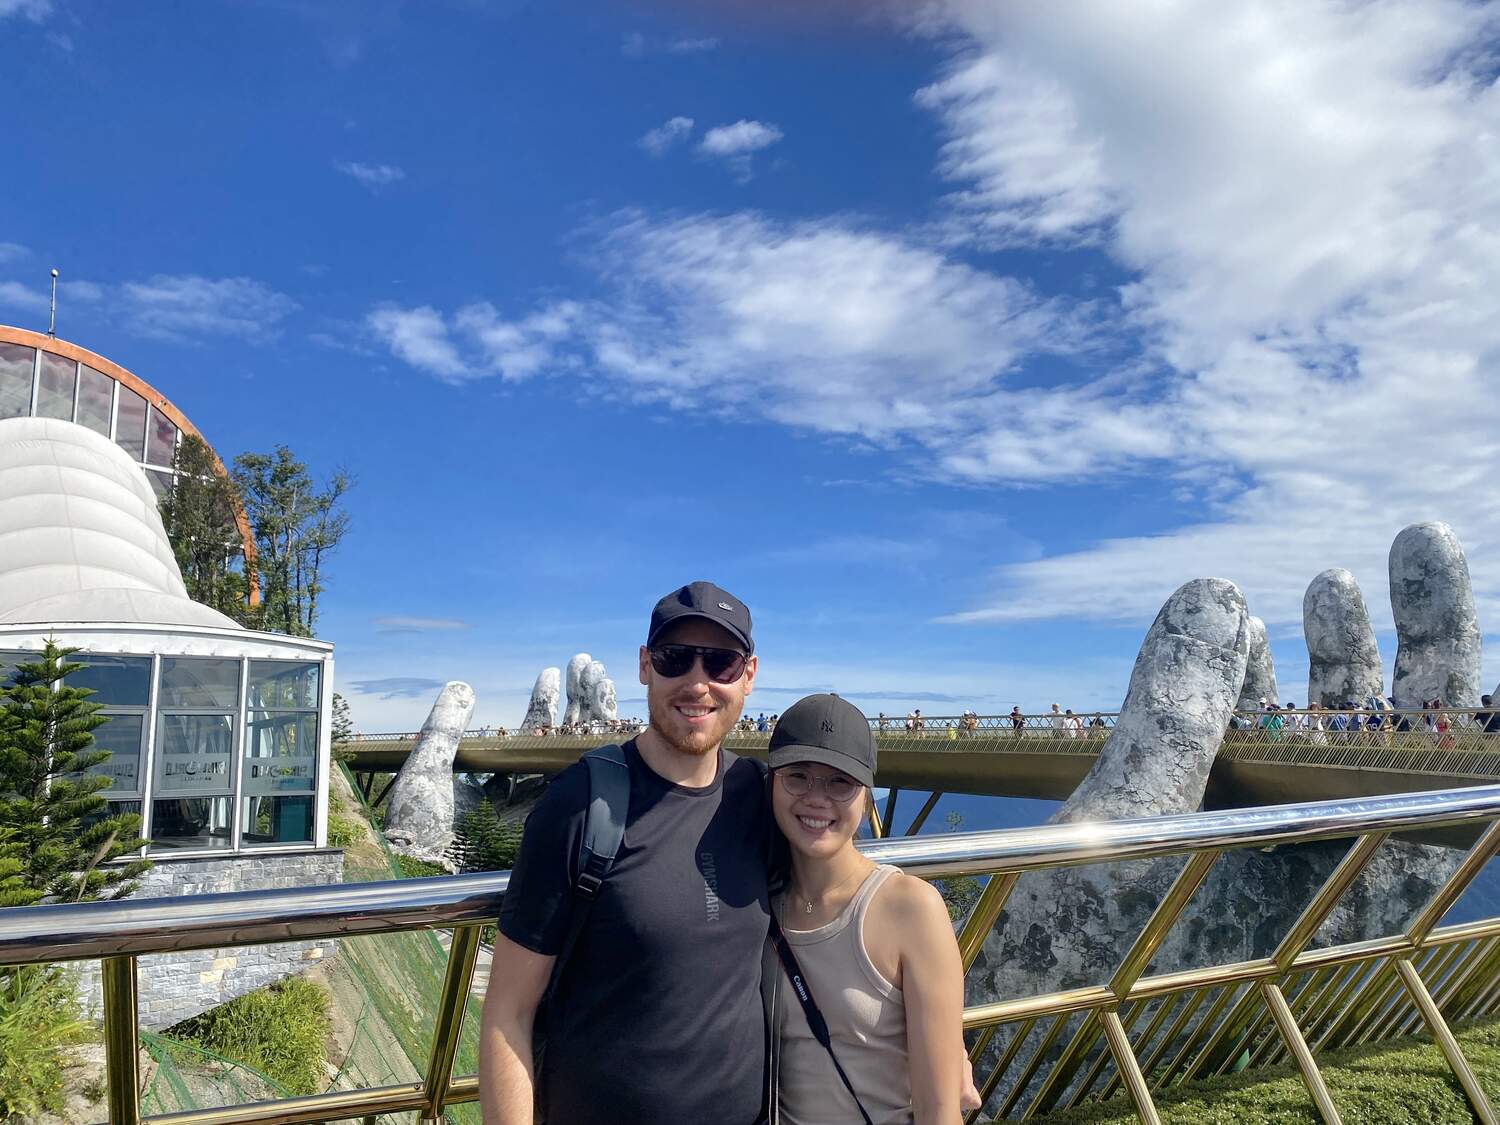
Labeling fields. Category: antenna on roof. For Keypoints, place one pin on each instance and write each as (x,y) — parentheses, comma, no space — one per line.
(52,319)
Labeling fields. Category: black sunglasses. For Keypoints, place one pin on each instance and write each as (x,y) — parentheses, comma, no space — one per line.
(722,665)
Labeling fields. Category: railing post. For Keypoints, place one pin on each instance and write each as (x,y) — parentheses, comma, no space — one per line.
(981,919)
(1445,1040)
(121,1043)
(459,978)
(1286,1023)
(1129,1068)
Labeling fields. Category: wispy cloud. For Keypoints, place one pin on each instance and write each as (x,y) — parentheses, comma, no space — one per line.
(397,687)
(401,624)
(372,176)
(635,45)
(12,252)
(18,296)
(187,306)
(34,10)
(817,325)
(736,144)
(418,336)
(659,140)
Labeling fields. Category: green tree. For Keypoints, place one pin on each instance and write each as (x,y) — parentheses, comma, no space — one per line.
(57,843)
(342,733)
(199,515)
(297,524)
(60,840)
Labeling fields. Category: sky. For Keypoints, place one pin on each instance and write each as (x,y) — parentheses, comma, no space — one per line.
(951,337)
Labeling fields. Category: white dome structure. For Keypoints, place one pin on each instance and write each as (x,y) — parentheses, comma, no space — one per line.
(218,735)
(80,536)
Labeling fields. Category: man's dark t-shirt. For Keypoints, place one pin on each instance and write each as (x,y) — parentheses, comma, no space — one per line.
(657,1014)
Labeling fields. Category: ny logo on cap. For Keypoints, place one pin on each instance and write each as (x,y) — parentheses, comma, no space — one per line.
(828,726)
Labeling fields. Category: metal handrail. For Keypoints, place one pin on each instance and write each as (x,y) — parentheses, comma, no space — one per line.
(1295,993)
(89,930)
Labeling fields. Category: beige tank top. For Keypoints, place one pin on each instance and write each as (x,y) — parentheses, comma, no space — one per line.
(866,1017)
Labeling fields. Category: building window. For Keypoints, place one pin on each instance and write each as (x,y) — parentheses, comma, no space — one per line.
(17,365)
(122,686)
(161,439)
(279,774)
(56,387)
(198,702)
(130,423)
(96,395)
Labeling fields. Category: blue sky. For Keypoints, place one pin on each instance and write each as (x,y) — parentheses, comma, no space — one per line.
(952,343)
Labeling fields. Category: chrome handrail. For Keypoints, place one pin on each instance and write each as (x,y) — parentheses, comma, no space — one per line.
(81,931)
(1298,994)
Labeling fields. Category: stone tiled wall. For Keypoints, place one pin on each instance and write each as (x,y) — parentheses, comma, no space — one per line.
(174,986)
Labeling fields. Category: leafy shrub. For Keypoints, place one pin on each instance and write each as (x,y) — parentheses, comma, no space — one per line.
(38,1017)
(482,843)
(343,831)
(408,868)
(279,1030)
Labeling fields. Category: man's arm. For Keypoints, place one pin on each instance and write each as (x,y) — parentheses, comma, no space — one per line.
(518,979)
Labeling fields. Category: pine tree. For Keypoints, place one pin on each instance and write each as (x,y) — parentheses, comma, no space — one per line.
(59,839)
(199,516)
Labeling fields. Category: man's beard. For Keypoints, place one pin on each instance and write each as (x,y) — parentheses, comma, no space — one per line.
(698,743)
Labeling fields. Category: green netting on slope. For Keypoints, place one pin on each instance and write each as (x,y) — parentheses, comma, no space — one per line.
(188,1076)
(399,977)
(384,992)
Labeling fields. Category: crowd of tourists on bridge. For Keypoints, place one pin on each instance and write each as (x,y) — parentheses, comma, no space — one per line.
(1375,714)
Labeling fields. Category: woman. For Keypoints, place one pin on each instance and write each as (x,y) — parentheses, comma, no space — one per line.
(875,947)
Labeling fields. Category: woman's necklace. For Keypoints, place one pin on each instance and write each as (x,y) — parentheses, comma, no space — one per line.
(808,903)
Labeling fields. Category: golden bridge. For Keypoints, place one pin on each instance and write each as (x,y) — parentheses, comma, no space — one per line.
(1046,756)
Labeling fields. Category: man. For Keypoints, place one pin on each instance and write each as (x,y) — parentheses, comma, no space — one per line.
(656,1015)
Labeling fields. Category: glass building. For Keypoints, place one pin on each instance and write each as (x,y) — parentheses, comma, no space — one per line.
(219,735)
(43,377)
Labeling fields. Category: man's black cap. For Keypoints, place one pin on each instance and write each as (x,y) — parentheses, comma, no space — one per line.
(827,730)
(702,599)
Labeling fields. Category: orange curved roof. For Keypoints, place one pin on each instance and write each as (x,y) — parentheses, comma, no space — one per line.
(46,343)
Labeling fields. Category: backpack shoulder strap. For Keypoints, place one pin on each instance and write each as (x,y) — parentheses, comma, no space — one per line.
(603,831)
(604,823)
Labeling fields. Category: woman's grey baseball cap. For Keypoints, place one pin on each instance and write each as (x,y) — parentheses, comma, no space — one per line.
(705,600)
(827,730)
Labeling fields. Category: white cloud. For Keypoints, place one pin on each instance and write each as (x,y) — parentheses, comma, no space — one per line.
(12,252)
(739,139)
(34,10)
(404,624)
(372,176)
(633,45)
(186,306)
(817,325)
(1308,197)
(419,337)
(657,141)
(736,144)
(18,296)
(693,46)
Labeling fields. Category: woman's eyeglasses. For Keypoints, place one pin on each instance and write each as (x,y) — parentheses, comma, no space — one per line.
(837,788)
(721,665)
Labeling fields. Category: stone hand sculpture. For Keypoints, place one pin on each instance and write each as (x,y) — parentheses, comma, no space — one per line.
(1437,629)
(541,712)
(576,699)
(1343,660)
(427,798)
(606,704)
(1071,927)
(1260,672)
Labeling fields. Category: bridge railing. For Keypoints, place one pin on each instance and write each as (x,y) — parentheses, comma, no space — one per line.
(1448,742)
(1294,1001)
